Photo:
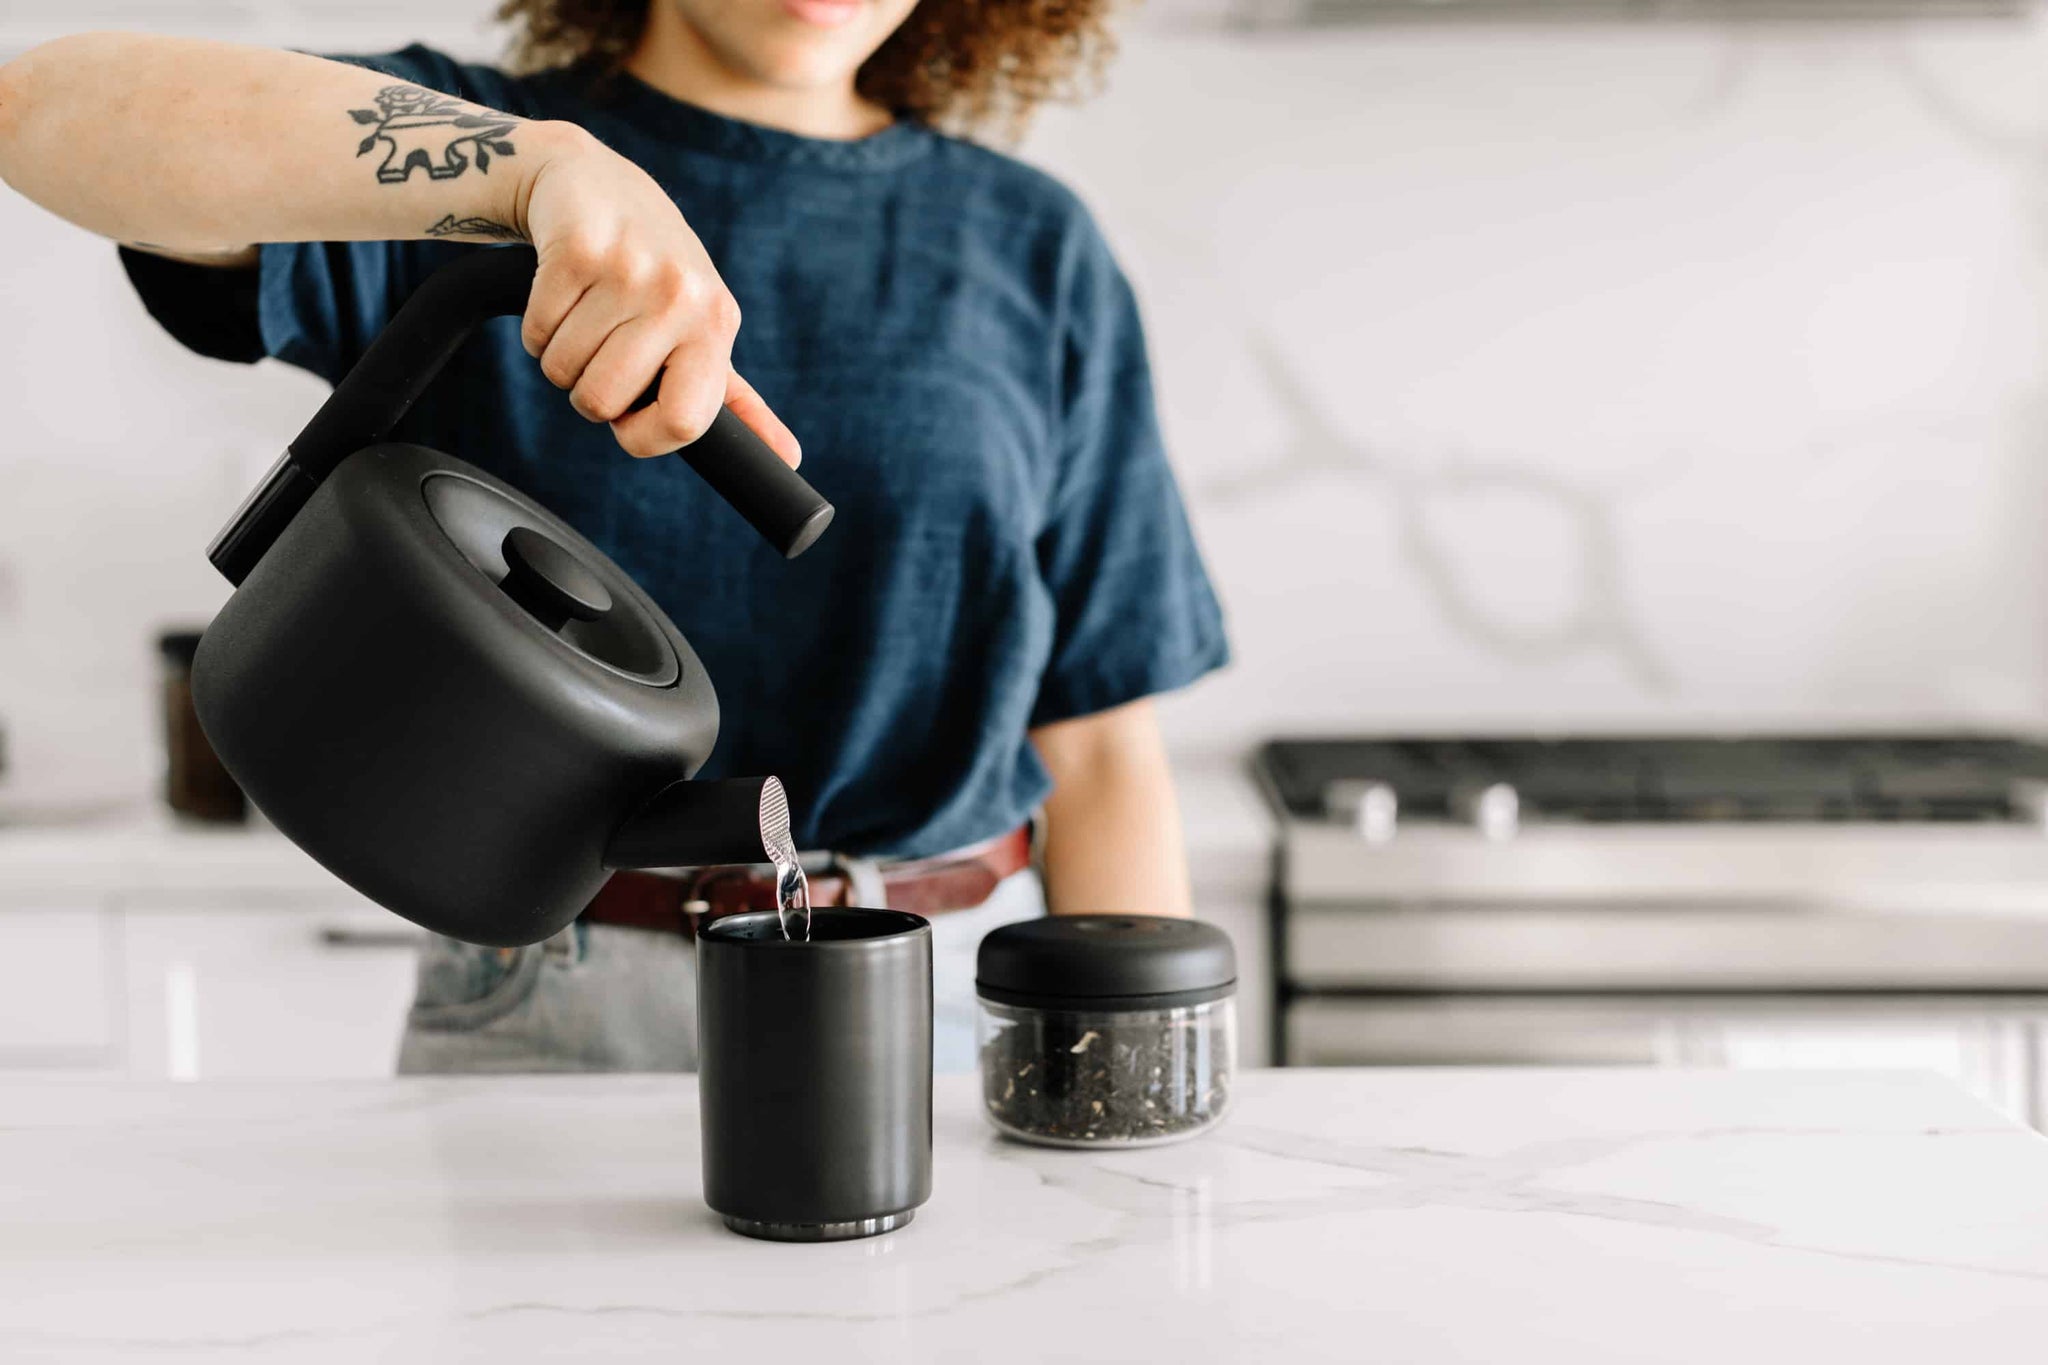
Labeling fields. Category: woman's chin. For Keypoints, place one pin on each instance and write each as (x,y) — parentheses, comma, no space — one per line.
(802,66)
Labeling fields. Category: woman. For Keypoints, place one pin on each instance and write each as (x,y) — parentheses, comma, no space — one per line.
(1011,574)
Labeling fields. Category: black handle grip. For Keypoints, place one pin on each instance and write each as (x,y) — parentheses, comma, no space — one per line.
(404,358)
(774,498)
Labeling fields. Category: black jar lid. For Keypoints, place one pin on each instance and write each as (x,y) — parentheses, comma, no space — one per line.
(1105,962)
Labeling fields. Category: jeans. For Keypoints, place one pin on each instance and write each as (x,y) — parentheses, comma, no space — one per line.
(597,997)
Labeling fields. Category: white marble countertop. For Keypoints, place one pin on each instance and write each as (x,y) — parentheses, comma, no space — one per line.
(143,849)
(1405,1216)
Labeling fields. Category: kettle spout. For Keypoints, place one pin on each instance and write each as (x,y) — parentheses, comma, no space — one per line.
(704,824)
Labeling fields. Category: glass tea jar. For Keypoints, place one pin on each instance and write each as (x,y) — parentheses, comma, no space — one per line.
(1106,1030)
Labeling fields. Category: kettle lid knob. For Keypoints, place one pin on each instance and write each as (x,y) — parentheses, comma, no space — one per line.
(553,585)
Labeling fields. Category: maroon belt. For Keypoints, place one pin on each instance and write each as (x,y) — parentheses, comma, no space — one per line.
(676,904)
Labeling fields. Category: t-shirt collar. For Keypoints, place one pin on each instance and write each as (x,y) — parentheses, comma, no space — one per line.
(692,126)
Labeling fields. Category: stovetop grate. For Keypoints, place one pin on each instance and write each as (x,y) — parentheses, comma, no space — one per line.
(1950,778)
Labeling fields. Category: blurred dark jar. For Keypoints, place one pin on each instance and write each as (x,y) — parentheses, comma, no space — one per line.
(195,783)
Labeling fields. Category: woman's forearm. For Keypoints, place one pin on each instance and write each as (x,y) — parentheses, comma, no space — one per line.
(203,147)
(1112,826)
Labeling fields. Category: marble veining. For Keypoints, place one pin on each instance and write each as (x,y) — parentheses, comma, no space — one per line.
(1603,619)
(1339,1215)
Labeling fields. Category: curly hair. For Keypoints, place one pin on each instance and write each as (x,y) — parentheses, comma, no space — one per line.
(962,65)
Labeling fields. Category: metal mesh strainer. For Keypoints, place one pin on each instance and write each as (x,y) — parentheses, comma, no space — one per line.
(792,888)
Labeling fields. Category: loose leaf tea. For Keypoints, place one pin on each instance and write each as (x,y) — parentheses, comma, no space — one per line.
(1078,1079)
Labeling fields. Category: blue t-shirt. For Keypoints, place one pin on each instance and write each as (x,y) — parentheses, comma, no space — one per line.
(946,332)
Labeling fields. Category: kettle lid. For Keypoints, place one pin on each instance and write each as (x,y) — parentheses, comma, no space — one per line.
(560,583)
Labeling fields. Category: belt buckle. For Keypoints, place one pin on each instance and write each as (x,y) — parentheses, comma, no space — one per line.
(694,912)
(862,878)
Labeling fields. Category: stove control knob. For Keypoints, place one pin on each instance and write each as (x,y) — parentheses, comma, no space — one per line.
(1378,810)
(1495,810)
(1367,805)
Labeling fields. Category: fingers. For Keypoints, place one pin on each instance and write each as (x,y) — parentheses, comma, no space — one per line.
(681,412)
(748,407)
(609,341)
(629,360)
(564,275)
(675,418)
(611,344)
(607,322)
(652,298)
(576,342)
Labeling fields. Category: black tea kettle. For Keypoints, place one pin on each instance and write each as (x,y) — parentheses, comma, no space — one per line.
(435,687)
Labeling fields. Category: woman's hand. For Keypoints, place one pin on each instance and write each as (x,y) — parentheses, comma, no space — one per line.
(625,293)
(196,149)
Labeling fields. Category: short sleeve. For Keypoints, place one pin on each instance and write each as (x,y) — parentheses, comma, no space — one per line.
(321,303)
(315,305)
(1134,611)
(209,310)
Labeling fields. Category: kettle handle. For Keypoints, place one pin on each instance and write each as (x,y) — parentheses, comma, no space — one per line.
(413,347)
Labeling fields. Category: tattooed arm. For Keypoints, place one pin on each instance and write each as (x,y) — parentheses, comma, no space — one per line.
(199,149)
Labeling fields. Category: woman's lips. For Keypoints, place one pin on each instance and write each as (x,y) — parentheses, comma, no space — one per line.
(823,13)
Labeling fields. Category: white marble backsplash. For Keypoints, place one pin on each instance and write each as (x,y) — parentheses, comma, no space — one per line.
(1602,374)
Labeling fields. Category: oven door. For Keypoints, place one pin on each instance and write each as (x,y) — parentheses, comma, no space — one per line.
(1991,1044)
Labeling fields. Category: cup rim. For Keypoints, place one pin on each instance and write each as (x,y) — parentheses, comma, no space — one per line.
(908,926)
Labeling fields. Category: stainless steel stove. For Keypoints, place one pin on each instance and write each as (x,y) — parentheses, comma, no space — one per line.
(1690,901)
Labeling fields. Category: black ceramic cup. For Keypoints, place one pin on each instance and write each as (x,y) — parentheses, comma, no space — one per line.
(814,1062)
